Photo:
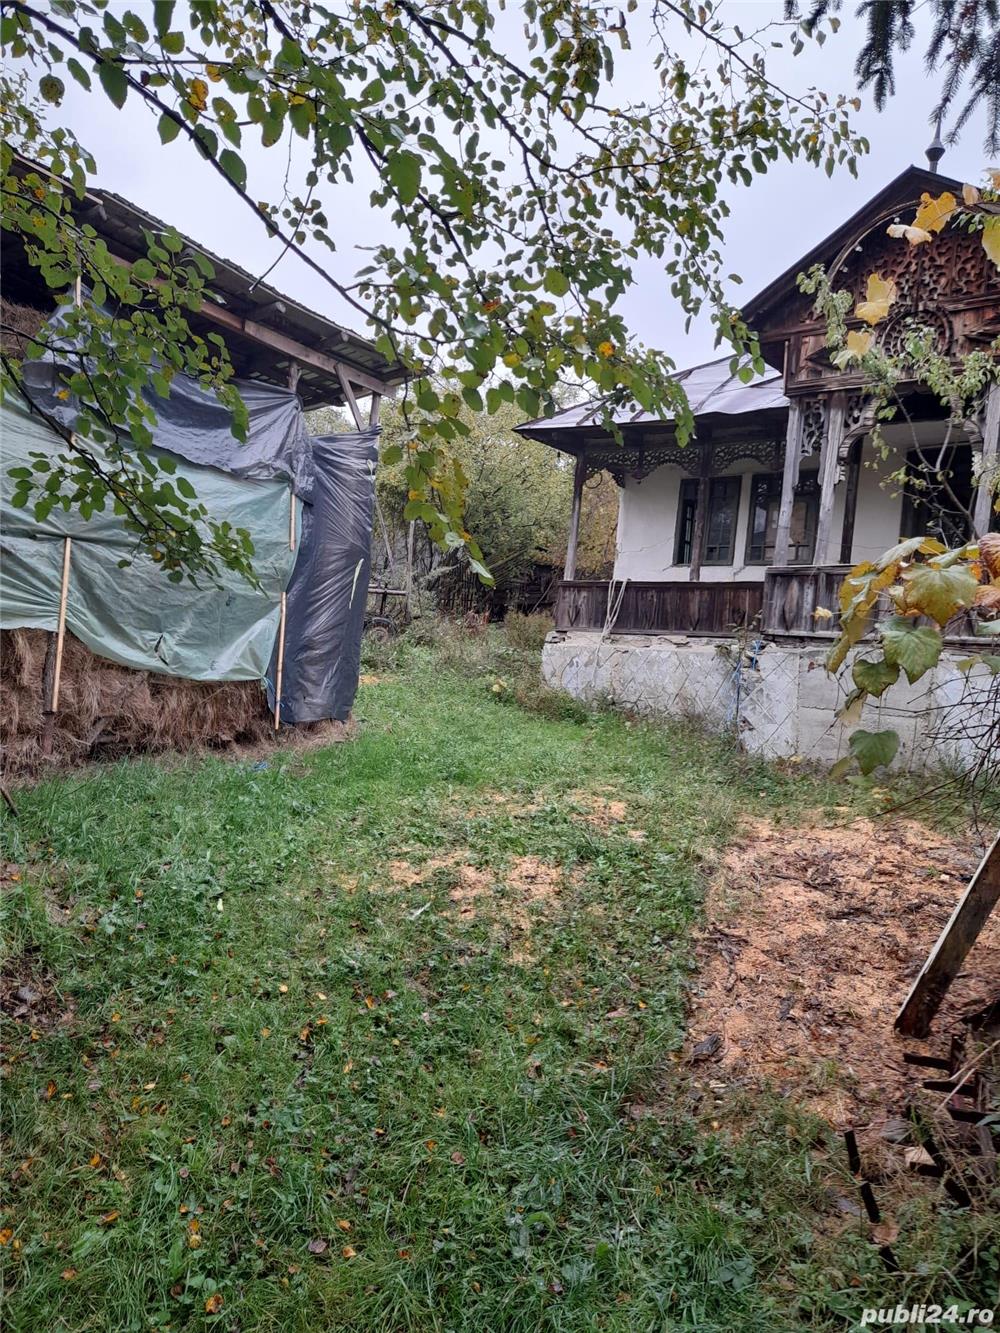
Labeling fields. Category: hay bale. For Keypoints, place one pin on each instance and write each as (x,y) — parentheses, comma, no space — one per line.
(106,710)
(18,325)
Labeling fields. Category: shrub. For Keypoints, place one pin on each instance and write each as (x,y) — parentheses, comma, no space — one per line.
(527,631)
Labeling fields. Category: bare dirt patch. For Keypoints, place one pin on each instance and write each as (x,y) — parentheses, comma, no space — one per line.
(812,941)
(507,899)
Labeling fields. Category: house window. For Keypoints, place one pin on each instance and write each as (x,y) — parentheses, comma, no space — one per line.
(685,521)
(719,540)
(765,501)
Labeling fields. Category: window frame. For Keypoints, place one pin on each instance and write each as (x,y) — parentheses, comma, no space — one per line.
(806,488)
(735,480)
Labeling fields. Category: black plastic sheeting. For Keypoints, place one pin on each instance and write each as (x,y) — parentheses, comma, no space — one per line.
(194,425)
(328,592)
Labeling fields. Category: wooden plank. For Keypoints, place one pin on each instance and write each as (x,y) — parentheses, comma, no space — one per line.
(352,402)
(851,502)
(704,445)
(789,479)
(991,456)
(829,461)
(579,477)
(954,943)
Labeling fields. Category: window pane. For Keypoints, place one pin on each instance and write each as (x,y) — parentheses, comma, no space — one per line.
(685,521)
(720,530)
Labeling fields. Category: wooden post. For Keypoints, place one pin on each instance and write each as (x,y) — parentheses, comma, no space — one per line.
(579,477)
(789,479)
(829,462)
(373,413)
(704,446)
(851,501)
(61,626)
(349,397)
(280,669)
(990,458)
(955,941)
(410,538)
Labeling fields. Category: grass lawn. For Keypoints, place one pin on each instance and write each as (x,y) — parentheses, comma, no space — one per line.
(383,1037)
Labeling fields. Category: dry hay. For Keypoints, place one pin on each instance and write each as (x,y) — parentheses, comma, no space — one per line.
(18,325)
(813,940)
(106,710)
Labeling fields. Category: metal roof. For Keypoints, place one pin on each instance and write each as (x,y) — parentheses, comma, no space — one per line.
(712,390)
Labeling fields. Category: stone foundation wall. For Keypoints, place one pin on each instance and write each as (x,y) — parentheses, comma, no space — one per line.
(777,694)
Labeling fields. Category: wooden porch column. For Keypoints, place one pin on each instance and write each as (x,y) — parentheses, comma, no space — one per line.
(829,462)
(704,445)
(579,477)
(851,500)
(789,479)
(991,456)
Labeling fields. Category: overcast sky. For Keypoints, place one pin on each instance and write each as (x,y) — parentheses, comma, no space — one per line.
(774,221)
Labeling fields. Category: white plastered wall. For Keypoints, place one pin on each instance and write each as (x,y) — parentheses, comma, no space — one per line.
(648,511)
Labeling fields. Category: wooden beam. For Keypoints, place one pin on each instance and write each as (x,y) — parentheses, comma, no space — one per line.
(789,479)
(851,501)
(704,447)
(352,402)
(280,342)
(954,943)
(829,462)
(579,477)
(990,458)
(373,412)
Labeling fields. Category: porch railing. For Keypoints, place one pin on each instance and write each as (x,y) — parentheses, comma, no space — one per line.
(658,608)
(783,604)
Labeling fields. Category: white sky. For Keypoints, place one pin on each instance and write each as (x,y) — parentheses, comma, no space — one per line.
(774,221)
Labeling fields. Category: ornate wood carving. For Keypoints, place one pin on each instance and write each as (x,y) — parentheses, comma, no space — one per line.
(638,461)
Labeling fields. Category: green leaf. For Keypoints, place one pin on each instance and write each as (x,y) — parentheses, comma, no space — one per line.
(51,88)
(78,72)
(234,167)
(915,648)
(168,128)
(939,593)
(186,489)
(989,660)
(403,170)
(556,282)
(392,455)
(143,271)
(113,82)
(875,677)
(172,43)
(872,749)
(163,12)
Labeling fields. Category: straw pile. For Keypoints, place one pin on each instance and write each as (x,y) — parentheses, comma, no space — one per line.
(18,325)
(106,710)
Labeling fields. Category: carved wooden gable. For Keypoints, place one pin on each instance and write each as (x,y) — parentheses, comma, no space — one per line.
(948,284)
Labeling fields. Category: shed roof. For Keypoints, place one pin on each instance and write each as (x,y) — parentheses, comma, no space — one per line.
(265,330)
(712,390)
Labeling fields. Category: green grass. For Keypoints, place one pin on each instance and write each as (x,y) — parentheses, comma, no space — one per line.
(243,1024)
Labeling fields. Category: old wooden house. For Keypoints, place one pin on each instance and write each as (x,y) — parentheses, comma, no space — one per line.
(753,525)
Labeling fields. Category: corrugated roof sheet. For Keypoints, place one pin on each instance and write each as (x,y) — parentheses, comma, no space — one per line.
(710,388)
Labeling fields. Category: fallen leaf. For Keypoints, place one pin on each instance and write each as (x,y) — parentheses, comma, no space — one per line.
(68,1274)
(917,1157)
(884,1233)
(458,1159)
(109,1218)
(50,1090)
(214,1303)
(343,1224)
(430,1145)
(318,1246)
(282,989)
(349,1252)
(96,1159)
(5,1235)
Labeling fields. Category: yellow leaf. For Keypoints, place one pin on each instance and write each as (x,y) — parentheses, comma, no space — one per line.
(214,1303)
(879,296)
(5,1235)
(282,989)
(915,235)
(822,613)
(349,1252)
(68,1274)
(109,1218)
(991,239)
(934,213)
(343,1224)
(970,195)
(198,94)
(606,349)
